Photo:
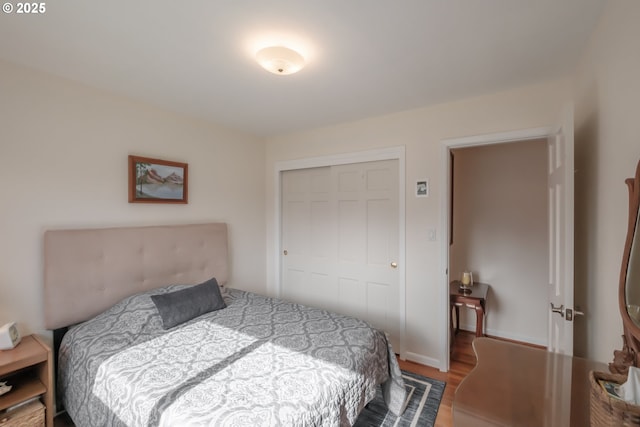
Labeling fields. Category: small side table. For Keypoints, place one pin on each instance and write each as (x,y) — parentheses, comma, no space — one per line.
(29,368)
(476,299)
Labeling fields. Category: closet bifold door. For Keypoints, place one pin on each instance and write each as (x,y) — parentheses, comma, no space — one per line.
(340,241)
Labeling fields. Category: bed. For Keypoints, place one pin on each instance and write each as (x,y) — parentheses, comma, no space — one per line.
(252,360)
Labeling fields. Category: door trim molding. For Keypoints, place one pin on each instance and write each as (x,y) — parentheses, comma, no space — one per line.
(445,212)
(391,153)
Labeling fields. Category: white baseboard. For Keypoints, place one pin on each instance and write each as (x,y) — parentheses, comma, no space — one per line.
(507,335)
(423,360)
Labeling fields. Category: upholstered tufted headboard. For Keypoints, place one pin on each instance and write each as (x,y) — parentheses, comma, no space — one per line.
(89,270)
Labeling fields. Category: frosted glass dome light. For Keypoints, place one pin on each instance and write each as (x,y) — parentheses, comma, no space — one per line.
(280,60)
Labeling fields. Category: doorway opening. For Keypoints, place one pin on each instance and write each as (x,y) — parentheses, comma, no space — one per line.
(559,159)
(499,232)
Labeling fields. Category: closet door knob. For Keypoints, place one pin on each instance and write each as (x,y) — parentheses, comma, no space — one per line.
(394,265)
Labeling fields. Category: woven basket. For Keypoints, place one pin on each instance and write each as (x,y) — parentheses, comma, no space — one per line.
(608,411)
(29,415)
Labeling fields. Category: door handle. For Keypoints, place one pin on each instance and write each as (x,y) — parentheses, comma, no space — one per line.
(559,310)
(394,265)
(570,314)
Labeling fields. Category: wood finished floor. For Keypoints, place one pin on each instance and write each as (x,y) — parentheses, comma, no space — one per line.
(462,362)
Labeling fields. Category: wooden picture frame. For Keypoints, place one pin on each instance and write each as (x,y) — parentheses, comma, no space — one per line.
(157,181)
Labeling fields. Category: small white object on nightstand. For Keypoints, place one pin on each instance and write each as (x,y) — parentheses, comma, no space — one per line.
(9,336)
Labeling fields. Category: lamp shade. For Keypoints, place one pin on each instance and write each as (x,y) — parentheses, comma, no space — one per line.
(280,60)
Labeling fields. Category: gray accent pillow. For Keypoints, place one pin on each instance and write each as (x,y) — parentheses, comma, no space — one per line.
(181,306)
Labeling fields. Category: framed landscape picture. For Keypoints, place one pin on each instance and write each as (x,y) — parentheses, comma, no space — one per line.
(157,181)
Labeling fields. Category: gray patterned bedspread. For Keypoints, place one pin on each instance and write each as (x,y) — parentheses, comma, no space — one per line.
(259,362)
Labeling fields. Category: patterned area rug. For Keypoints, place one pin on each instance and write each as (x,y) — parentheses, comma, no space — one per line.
(424,399)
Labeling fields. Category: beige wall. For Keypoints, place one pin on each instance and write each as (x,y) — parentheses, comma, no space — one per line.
(63,164)
(607,151)
(421,132)
(501,235)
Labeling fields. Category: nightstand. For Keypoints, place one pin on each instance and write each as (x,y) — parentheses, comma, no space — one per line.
(475,298)
(29,369)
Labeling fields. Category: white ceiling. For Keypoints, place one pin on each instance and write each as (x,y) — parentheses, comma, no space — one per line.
(365,57)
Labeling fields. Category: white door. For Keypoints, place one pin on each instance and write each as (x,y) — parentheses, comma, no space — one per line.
(308,237)
(340,241)
(561,172)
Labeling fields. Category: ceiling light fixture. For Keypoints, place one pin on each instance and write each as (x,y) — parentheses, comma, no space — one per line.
(280,60)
